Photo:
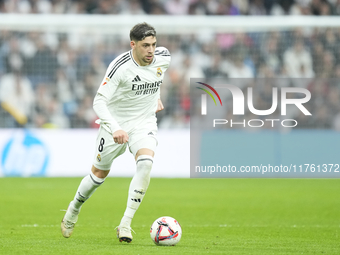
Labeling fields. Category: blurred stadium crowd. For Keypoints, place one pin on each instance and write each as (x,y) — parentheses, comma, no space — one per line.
(174,7)
(48,80)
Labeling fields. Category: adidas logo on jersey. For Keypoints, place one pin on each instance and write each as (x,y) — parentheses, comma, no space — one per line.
(150,133)
(136,79)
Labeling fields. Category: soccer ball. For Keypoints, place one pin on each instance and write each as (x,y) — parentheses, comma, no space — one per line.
(166,231)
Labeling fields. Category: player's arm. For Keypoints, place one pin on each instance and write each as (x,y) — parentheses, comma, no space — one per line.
(164,54)
(160,106)
(100,108)
(105,92)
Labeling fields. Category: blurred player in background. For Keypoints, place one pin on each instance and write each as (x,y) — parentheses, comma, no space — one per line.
(126,103)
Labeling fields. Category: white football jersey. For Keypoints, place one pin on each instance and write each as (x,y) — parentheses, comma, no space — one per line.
(132,91)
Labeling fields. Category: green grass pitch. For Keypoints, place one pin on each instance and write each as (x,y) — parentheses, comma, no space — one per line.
(218,216)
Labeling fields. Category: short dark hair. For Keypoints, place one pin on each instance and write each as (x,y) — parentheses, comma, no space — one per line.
(140,31)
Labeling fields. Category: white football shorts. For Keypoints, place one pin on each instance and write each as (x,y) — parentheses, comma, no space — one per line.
(107,150)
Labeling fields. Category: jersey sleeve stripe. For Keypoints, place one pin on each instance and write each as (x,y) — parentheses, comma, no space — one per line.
(116,68)
(118,62)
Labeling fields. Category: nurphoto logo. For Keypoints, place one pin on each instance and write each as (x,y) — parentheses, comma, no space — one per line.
(238,102)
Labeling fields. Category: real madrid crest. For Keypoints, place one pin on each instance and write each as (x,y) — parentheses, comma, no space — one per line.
(159,72)
(99,158)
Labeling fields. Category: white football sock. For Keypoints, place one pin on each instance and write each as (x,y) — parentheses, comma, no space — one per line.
(138,187)
(87,187)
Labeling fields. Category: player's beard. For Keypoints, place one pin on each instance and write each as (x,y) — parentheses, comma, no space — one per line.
(146,60)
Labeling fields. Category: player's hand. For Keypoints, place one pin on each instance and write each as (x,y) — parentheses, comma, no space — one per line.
(159,106)
(120,137)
